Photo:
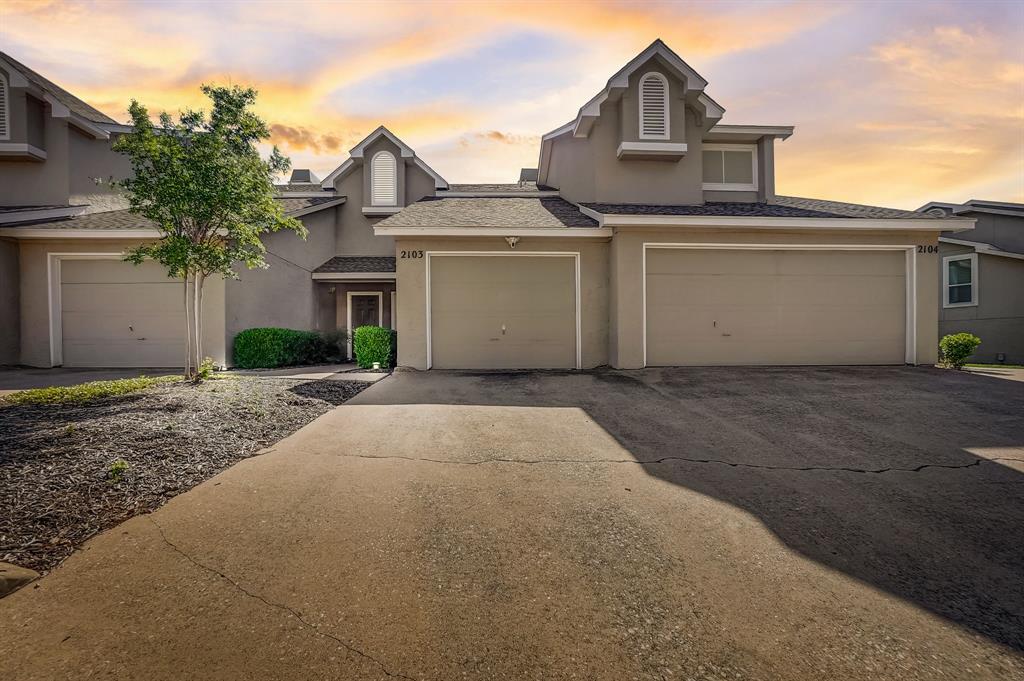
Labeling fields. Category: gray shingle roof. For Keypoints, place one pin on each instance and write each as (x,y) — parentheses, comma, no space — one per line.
(784,207)
(124,219)
(302,188)
(294,205)
(515,188)
(489,212)
(357,263)
(63,96)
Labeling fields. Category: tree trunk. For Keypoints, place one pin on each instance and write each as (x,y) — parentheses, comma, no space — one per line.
(196,284)
(188,332)
(200,282)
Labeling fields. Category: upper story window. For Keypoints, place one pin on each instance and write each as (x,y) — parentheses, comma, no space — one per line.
(383,179)
(730,167)
(5,110)
(960,280)
(654,107)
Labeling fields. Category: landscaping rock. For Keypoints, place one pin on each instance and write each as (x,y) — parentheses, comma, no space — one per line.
(13,578)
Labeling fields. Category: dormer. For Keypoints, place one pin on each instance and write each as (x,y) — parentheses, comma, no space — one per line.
(393,175)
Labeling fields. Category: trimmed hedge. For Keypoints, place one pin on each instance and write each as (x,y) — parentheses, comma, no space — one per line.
(268,348)
(374,344)
(957,348)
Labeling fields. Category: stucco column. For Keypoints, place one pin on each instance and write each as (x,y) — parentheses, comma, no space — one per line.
(626,343)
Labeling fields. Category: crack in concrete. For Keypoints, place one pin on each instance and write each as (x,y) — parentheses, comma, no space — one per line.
(665,459)
(279,606)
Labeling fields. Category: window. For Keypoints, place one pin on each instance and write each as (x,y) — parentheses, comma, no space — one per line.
(383,179)
(730,167)
(960,280)
(654,107)
(5,117)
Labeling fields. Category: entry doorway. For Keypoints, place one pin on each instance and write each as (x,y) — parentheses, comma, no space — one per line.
(365,308)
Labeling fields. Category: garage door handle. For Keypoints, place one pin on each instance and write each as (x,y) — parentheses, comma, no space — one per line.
(140,339)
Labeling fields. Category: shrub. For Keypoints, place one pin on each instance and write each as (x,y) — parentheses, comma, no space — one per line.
(267,348)
(957,347)
(84,392)
(374,344)
(206,368)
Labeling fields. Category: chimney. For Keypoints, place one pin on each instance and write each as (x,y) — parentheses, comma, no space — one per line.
(303,176)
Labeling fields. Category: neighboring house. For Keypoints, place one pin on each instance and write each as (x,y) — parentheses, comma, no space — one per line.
(650,234)
(981,280)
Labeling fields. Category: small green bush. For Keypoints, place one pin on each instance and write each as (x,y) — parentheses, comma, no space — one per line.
(117,470)
(206,368)
(84,392)
(957,348)
(374,344)
(268,348)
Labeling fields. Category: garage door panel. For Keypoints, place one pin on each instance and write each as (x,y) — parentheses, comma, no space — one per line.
(816,307)
(115,314)
(503,312)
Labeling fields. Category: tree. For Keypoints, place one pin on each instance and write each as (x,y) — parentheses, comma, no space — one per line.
(202,181)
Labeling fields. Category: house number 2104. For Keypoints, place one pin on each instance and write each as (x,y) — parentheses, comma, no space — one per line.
(412,254)
(927,249)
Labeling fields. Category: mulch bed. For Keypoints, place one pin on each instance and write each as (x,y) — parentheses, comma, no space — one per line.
(57,484)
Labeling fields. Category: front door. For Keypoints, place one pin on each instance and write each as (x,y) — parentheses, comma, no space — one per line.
(365,310)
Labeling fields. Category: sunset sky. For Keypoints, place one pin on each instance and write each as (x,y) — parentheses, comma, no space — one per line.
(894,103)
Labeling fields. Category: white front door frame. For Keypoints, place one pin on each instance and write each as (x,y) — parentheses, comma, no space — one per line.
(910,274)
(348,305)
(575,255)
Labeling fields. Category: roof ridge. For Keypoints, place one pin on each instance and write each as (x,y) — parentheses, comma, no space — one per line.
(76,104)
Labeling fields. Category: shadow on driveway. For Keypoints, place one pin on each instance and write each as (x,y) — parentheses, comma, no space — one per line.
(908,479)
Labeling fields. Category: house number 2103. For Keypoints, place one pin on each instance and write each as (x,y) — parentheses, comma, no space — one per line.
(412,254)
(927,249)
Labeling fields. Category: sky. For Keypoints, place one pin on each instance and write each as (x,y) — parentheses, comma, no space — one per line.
(894,103)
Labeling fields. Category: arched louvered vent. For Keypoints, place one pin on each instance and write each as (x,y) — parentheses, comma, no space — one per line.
(383,179)
(5,110)
(653,107)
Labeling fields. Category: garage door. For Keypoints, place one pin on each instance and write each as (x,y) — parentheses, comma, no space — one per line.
(115,314)
(503,312)
(707,307)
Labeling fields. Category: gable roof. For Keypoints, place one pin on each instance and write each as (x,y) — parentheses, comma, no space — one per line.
(356,157)
(693,82)
(73,103)
(974,206)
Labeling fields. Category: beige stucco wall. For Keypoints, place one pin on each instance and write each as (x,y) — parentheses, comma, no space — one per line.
(998,318)
(39,182)
(411,302)
(10,285)
(626,270)
(35,297)
(91,158)
(354,230)
(283,294)
(588,170)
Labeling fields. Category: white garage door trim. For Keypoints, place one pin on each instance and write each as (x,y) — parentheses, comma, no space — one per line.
(910,273)
(53,280)
(575,255)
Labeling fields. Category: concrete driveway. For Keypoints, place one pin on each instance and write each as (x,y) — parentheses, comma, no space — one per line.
(858,523)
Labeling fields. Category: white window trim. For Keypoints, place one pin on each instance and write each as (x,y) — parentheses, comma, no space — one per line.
(665,101)
(910,273)
(5,113)
(729,186)
(973,257)
(373,172)
(348,322)
(543,254)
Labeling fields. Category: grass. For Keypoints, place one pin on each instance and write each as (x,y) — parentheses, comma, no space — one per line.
(85,392)
(997,366)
